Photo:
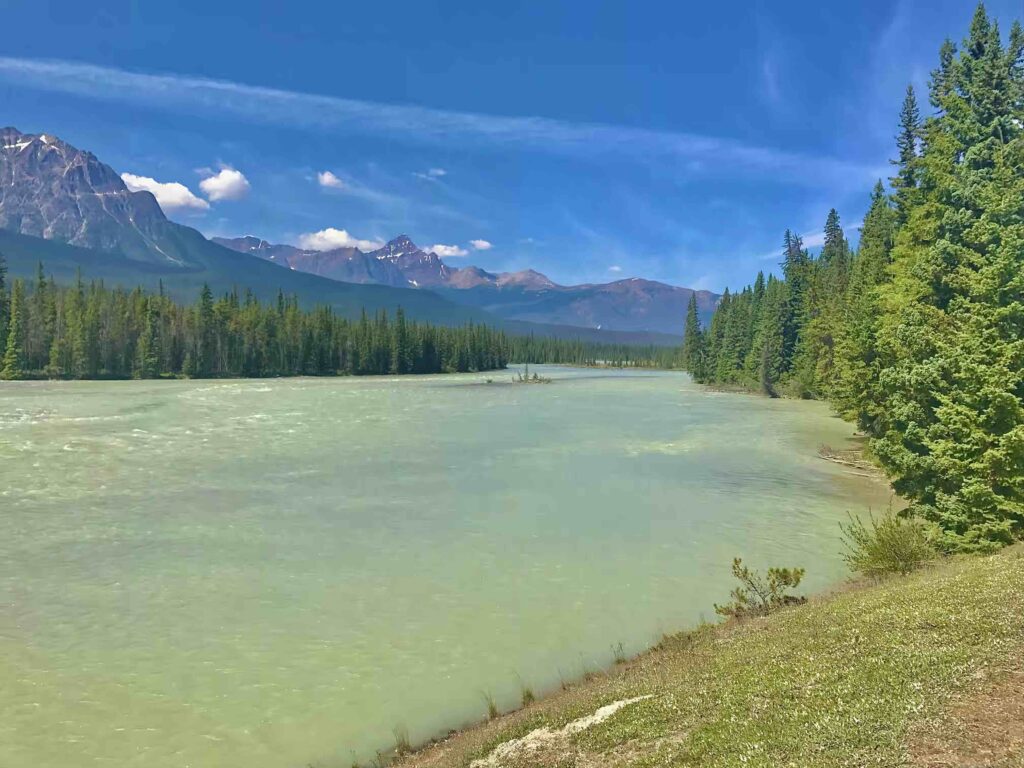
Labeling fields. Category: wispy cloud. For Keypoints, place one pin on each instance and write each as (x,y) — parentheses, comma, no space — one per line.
(421,124)
(481,245)
(770,87)
(431,174)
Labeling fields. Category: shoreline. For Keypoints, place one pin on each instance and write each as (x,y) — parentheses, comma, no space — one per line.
(403,755)
(559,722)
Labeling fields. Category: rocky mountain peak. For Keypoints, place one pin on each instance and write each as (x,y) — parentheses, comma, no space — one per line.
(50,189)
(251,243)
(400,246)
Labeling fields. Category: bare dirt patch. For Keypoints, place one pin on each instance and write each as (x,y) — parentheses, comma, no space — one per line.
(985,727)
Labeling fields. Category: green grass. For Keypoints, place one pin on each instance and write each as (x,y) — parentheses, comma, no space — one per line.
(836,682)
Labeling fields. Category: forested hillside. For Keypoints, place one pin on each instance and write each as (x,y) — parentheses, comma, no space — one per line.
(91,331)
(918,336)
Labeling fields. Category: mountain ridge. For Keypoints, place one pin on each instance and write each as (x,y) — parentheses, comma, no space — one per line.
(62,206)
(629,304)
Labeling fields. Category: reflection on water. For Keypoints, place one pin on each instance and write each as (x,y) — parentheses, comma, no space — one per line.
(276,573)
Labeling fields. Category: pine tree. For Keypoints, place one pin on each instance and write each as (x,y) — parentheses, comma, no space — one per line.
(796,267)
(204,349)
(147,357)
(693,341)
(855,391)
(766,360)
(950,333)
(14,366)
(942,84)
(4,305)
(905,181)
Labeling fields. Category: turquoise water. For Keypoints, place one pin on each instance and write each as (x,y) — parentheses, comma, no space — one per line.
(276,573)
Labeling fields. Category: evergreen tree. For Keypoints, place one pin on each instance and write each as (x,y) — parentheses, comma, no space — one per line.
(814,358)
(204,352)
(855,390)
(147,359)
(97,332)
(953,318)
(919,335)
(796,267)
(4,307)
(766,361)
(693,341)
(905,181)
(14,364)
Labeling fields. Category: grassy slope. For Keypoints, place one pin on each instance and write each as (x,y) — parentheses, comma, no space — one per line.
(840,681)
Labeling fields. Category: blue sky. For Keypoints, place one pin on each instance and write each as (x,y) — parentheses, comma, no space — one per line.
(589,140)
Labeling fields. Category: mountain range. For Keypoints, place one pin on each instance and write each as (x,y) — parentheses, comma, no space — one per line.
(62,206)
(632,304)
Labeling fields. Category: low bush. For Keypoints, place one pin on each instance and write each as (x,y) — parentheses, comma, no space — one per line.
(887,545)
(759,595)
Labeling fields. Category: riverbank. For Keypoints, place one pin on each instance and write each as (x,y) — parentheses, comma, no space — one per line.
(920,670)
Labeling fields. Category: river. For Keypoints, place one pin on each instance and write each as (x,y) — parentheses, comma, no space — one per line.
(276,573)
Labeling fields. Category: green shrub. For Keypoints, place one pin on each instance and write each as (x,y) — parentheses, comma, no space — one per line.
(759,595)
(888,545)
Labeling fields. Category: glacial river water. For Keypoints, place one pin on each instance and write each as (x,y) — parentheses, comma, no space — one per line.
(276,573)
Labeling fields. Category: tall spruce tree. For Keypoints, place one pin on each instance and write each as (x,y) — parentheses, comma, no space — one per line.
(906,179)
(693,341)
(796,266)
(147,355)
(855,388)
(766,361)
(920,336)
(14,364)
(953,318)
(4,307)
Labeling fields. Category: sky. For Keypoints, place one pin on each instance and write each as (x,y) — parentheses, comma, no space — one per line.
(589,140)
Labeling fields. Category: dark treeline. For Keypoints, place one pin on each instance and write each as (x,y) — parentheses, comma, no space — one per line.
(531,349)
(89,331)
(918,336)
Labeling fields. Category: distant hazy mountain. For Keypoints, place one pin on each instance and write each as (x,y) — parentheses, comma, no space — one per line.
(624,305)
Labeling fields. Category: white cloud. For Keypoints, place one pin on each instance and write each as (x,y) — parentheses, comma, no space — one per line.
(424,125)
(227,184)
(813,239)
(481,245)
(448,250)
(328,179)
(171,195)
(331,238)
(432,174)
(614,268)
